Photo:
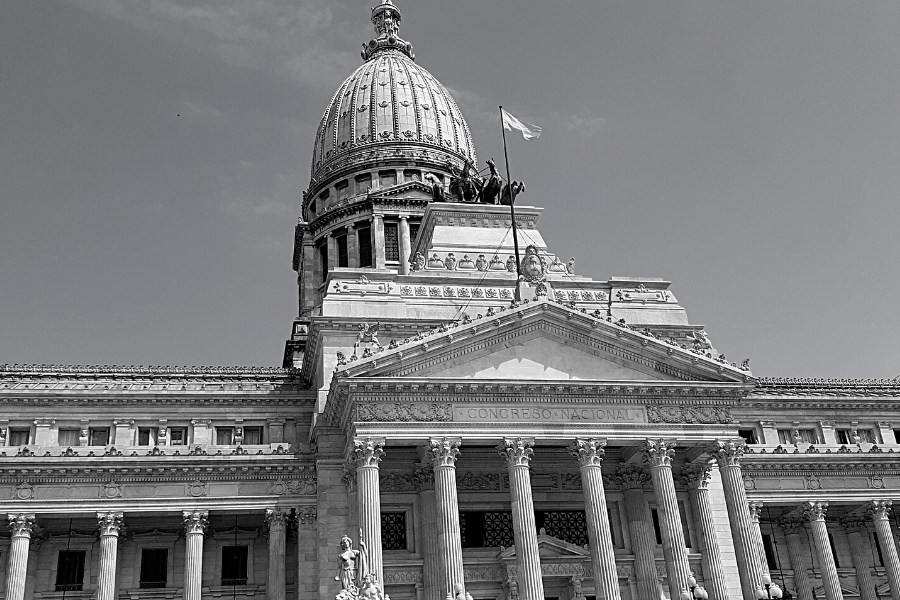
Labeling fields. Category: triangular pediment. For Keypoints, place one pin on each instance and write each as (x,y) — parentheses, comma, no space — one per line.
(551,548)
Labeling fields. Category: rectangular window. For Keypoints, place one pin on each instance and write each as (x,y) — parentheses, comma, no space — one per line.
(147,436)
(656,530)
(486,529)
(769,549)
(342,188)
(412,175)
(413,232)
(68,437)
(567,525)
(154,567)
(749,435)
(393,531)
(387,178)
(341,243)
(177,436)
(70,571)
(364,235)
(391,245)
(837,563)
(252,436)
(807,436)
(682,512)
(19,437)
(224,436)
(363,183)
(845,436)
(323,261)
(98,436)
(234,565)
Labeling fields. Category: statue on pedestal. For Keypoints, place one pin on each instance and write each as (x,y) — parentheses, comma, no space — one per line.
(357,583)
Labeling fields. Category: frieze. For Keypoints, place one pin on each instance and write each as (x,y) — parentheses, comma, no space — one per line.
(483,574)
(478,481)
(404,411)
(398,482)
(396,576)
(363,286)
(705,415)
(643,295)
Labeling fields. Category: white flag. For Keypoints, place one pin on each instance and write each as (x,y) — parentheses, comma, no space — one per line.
(528,130)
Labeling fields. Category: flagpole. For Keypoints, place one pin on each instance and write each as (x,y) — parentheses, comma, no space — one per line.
(512,210)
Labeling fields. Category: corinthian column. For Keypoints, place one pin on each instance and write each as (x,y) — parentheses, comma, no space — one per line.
(367,453)
(589,454)
(855,524)
(793,524)
(815,513)
(277,520)
(21,526)
(195,522)
(695,477)
(658,454)
(728,453)
(517,454)
(109,524)
(443,453)
(880,510)
(632,478)
(755,511)
(432,572)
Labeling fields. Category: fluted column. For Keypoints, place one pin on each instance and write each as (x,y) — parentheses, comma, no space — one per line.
(443,453)
(276,520)
(307,552)
(195,522)
(404,242)
(880,510)
(855,525)
(109,524)
(695,477)
(589,454)
(815,513)
(378,241)
(517,453)
(367,453)
(793,524)
(659,454)
(632,478)
(754,509)
(21,527)
(432,571)
(728,453)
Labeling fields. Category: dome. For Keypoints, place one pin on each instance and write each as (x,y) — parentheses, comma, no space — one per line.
(389,107)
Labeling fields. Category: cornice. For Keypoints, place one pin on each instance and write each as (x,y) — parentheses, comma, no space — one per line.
(805,387)
(55,473)
(272,375)
(46,396)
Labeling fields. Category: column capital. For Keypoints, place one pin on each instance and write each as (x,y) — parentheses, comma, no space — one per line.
(879,509)
(21,524)
(754,508)
(588,452)
(109,523)
(307,517)
(658,453)
(728,453)
(517,452)
(404,217)
(367,452)
(631,476)
(277,517)
(443,452)
(814,510)
(695,475)
(853,522)
(792,522)
(195,521)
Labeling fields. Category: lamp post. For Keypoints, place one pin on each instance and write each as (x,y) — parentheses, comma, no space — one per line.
(772,590)
(697,592)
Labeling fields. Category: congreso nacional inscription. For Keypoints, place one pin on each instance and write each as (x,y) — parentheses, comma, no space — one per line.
(572,413)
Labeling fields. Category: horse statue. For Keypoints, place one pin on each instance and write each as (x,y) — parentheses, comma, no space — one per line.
(507,198)
(464,186)
(492,186)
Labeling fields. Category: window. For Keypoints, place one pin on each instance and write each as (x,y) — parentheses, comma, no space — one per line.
(412,175)
(897,436)
(686,531)
(567,525)
(98,436)
(769,549)
(253,436)
(147,436)
(342,188)
(177,436)
(70,571)
(413,232)
(393,531)
(19,437)
(388,178)
(613,515)
(879,559)
(749,435)
(341,243)
(845,436)
(391,245)
(837,563)
(364,235)
(234,565)
(224,436)
(486,529)
(154,567)
(68,437)
(363,183)
(323,261)
(807,436)
(656,530)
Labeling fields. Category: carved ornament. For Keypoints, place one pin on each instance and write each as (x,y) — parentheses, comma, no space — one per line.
(109,523)
(477,481)
(727,452)
(404,411)
(853,522)
(195,521)
(880,509)
(658,453)
(21,524)
(754,508)
(307,517)
(277,518)
(695,475)
(814,510)
(705,415)
(23,491)
(631,476)
(588,452)
(367,452)
(516,452)
(398,482)
(443,451)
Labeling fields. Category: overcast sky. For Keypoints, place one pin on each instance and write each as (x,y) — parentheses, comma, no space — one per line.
(153,155)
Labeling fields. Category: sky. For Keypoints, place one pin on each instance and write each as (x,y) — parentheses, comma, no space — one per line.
(153,157)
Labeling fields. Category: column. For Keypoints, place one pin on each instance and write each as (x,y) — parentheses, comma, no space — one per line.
(517,453)
(855,525)
(443,453)
(378,240)
(195,522)
(793,524)
(880,510)
(659,454)
(589,454)
(632,478)
(21,526)
(432,571)
(276,519)
(815,513)
(109,524)
(307,552)
(352,247)
(754,509)
(728,453)
(367,453)
(331,241)
(695,477)
(405,248)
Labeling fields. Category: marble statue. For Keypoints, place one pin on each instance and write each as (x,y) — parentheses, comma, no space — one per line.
(351,562)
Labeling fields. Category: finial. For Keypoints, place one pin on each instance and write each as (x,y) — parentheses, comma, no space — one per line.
(386,19)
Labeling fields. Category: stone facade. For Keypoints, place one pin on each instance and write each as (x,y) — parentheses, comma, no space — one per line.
(486,427)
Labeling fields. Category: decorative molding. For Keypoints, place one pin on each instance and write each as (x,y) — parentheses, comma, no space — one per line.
(197,489)
(516,452)
(728,453)
(478,481)
(111,491)
(404,411)
(695,475)
(362,286)
(23,491)
(277,517)
(443,451)
(367,452)
(658,453)
(195,521)
(109,523)
(706,415)
(631,476)
(588,452)
(398,482)
(307,517)
(21,524)
(814,510)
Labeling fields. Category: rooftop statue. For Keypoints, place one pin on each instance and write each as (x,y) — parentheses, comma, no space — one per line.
(518,187)
(491,189)
(437,188)
(464,185)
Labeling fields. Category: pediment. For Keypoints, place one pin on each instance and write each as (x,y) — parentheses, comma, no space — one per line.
(407,190)
(551,548)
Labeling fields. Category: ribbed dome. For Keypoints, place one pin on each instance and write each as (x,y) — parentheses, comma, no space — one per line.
(387,104)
